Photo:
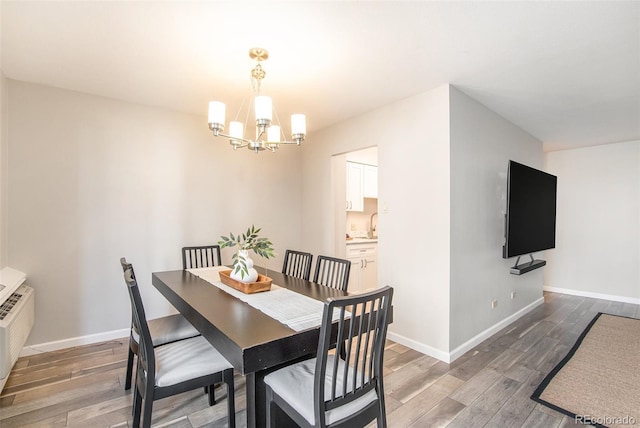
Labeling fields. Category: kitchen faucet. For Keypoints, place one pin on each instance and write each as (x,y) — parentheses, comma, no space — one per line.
(372,228)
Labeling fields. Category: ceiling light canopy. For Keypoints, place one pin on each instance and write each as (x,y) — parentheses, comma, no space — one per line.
(268,135)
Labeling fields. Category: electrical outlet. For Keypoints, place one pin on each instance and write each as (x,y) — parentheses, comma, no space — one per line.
(513,295)
(494,304)
(353,226)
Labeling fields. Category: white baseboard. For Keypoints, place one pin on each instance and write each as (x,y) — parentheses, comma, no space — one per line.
(449,357)
(3,381)
(420,347)
(476,340)
(74,341)
(441,355)
(589,294)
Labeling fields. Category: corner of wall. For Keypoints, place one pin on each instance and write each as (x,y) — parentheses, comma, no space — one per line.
(481,144)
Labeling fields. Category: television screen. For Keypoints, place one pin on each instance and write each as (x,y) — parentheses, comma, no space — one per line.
(531,211)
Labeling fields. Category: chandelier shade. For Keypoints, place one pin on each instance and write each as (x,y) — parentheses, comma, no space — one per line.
(268,134)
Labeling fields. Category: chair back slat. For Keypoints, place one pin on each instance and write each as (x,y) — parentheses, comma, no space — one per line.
(297,263)
(201,256)
(367,362)
(339,346)
(358,358)
(332,272)
(361,323)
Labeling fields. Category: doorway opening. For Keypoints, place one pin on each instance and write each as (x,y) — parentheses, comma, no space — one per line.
(355,178)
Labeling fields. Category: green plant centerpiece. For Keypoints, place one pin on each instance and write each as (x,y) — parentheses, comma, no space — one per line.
(243,269)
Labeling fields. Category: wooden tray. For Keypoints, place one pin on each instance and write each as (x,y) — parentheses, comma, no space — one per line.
(262,284)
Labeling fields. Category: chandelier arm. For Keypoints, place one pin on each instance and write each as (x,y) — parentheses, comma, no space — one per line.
(239,146)
(248,142)
(245,141)
(295,141)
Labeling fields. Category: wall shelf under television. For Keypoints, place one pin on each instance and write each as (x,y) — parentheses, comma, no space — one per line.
(519,269)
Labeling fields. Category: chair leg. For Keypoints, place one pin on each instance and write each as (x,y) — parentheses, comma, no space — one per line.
(231,401)
(135,384)
(137,408)
(382,422)
(270,417)
(212,396)
(382,414)
(148,407)
(127,379)
(211,390)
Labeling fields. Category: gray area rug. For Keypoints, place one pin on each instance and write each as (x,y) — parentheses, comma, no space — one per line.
(598,382)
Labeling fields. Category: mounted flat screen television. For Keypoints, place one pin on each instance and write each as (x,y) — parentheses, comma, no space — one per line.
(531,212)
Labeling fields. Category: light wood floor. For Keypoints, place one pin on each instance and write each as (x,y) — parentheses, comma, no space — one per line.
(489,386)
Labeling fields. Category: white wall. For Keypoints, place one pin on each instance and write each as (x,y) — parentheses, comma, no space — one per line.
(92,179)
(368,156)
(3,157)
(482,143)
(412,137)
(3,169)
(598,221)
(442,182)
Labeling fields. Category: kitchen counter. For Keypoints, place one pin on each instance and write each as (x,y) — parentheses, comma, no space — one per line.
(362,241)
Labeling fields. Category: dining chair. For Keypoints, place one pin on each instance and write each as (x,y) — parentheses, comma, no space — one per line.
(173,368)
(163,330)
(297,263)
(201,256)
(332,272)
(327,391)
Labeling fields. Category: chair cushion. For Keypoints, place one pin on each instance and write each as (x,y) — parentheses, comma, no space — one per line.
(187,359)
(168,329)
(294,384)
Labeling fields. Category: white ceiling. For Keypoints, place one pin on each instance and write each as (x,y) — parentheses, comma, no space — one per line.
(566,72)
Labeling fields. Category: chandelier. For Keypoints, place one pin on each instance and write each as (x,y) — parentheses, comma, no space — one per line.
(268,135)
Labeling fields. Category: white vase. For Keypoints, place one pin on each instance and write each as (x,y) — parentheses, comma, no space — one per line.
(252,275)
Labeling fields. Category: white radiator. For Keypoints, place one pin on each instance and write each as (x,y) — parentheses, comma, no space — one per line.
(16,320)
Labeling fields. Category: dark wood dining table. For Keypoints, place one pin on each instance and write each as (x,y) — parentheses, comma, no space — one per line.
(254,343)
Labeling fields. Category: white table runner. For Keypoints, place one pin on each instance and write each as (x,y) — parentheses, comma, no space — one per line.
(296,311)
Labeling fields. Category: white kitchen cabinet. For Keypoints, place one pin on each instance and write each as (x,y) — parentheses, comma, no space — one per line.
(363,275)
(370,181)
(362,182)
(355,188)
